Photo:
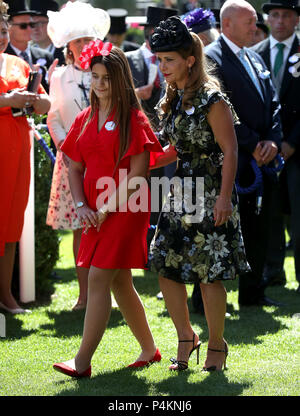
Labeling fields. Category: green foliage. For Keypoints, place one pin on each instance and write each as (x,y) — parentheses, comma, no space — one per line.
(135,35)
(46,239)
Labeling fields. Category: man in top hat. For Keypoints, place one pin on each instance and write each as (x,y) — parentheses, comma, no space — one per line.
(20,32)
(281,53)
(262,30)
(118,29)
(39,35)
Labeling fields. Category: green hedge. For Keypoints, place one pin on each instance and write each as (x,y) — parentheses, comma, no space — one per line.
(46,239)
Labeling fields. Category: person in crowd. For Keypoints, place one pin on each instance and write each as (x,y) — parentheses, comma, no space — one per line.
(14,156)
(281,55)
(198,236)
(168,4)
(73,28)
(246,80)
(110,139)
(118,30)
(21,25)
(189,5)
(262,30)
(39,35)
(203,23)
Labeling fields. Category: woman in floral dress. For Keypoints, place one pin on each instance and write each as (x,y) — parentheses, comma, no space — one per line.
(206,245)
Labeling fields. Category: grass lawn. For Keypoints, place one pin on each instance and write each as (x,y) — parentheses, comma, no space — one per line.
(264,347)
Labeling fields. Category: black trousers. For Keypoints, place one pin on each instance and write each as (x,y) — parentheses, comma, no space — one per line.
(255,230)
(286,200)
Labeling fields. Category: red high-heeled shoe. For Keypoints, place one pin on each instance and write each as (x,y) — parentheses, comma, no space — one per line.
(139,364)
(65,369)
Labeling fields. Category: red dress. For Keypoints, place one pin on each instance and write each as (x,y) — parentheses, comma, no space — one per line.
(14,155)
(121,240)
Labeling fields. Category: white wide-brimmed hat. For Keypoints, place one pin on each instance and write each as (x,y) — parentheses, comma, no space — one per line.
(77,20)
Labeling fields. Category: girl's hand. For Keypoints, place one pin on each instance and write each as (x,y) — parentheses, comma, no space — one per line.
(222,210)
(101,215)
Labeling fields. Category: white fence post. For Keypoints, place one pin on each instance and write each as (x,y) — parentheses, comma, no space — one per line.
(27,242)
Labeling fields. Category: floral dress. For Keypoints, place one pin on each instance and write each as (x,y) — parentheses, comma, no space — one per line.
(187,247)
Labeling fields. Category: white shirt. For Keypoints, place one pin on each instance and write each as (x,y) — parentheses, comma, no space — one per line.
(286,51)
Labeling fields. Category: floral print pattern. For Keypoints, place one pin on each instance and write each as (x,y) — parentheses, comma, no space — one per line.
(61,213)
(182,249)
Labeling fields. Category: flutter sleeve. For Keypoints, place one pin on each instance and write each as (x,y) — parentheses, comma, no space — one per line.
(71,145)
(213,96)
(142,138)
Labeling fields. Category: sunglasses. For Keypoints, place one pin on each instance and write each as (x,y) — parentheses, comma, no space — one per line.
(24,26)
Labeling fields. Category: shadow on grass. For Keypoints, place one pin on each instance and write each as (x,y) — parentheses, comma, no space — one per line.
(69,323)
(126,382)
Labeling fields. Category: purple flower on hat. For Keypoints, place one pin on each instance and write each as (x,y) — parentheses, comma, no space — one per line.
(199,17)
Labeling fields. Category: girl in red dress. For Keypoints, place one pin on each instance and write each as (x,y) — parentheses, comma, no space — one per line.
(110,137)
(14,157)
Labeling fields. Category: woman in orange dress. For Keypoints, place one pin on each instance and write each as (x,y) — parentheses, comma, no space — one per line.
(14,157)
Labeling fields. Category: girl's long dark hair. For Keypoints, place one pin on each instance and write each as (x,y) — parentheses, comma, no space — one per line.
(123,96)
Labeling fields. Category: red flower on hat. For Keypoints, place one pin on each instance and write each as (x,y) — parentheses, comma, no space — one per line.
(94,48)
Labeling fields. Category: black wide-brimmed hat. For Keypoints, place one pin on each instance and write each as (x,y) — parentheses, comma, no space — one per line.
(157,14)
(41,7)
(281,4)
(18,7)
(170,35)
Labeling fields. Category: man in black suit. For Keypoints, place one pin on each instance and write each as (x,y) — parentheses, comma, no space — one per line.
(281,53)
(243,75)
(21,25)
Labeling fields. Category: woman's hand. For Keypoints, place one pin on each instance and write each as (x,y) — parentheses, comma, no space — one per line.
(20,98)
(87,217)
(222,210)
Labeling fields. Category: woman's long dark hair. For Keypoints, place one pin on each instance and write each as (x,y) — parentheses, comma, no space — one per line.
(199,76)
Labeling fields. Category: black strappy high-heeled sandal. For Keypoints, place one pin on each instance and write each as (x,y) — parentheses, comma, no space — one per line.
(183,365)
(213,367)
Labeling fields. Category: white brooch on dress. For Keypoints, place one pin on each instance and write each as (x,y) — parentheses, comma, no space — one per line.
(110,125)
(190,111)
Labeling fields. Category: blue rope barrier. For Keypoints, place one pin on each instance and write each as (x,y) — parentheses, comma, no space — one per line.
(258,181)
(44,145)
